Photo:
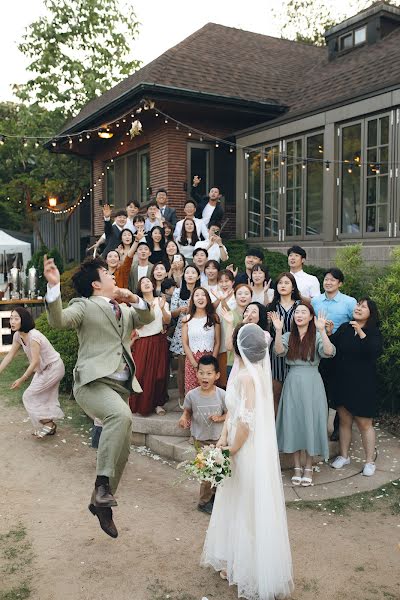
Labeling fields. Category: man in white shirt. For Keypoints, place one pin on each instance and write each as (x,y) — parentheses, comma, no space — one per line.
(214,246)
(190,210)
(208,207)
(308,284)
(153,217)
(140,269)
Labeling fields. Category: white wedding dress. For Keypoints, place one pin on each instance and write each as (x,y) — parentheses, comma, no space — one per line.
(247,535)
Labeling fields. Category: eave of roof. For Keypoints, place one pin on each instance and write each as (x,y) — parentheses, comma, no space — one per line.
(266,107)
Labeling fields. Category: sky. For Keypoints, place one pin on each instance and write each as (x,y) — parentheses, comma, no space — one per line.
(164,23)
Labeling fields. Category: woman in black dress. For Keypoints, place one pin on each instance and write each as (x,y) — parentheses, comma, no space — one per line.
(286,298)
(354,387)
(156,243)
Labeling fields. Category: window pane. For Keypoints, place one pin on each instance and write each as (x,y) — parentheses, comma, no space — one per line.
(346,41)
(371,191)
(294,178)
(110,195)
(145,177)
(360,35)
(383,159)
(351,182)
(384,133)
(200,165)
(315,180)
(372,132)
(132,183)
(254,187)
(271,191)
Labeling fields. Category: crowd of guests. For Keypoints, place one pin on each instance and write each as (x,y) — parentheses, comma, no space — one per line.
(176,267)
(323,346)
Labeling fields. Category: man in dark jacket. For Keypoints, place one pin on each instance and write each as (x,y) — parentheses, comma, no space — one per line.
(167,213)
(208,207)
(113,231)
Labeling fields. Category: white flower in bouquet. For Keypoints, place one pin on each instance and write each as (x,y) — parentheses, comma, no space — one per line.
(211,464)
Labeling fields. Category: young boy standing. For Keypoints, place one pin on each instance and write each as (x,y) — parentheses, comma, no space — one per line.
(204,412)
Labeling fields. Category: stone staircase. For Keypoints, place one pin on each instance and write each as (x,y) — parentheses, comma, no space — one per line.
(163,436)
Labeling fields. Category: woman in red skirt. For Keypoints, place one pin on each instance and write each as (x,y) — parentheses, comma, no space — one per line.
(201,334)
(150,353)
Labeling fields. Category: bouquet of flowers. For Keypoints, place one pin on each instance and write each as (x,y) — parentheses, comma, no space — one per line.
(211,464)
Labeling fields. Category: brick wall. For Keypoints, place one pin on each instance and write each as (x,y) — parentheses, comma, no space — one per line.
(168,161)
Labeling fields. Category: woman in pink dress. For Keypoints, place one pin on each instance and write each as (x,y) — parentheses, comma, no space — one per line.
(41,397)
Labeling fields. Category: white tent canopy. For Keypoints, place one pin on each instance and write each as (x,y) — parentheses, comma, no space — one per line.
(11,245)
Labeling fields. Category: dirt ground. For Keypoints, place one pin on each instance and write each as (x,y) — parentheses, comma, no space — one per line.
(64,555)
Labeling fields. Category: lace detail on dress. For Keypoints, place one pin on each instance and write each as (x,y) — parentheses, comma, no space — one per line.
(201,338)
(247,416)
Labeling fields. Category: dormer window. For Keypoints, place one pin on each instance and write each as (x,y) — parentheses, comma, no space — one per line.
(353,38)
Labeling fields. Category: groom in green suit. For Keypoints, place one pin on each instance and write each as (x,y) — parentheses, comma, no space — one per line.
(104,373)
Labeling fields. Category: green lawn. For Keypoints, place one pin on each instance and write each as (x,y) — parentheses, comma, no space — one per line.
(76,417)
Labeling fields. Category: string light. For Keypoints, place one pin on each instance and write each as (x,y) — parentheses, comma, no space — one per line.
(283,160)
(327,165)
(350,168)
(231,149)
(24,142)
(54,143)
(37,144)
(377,168)
(216,144)
(2,140)
(189,133)
(304,163)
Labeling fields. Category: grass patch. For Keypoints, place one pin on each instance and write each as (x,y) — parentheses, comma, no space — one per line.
(74,415)
(18,593)
(386,497)
(15,558)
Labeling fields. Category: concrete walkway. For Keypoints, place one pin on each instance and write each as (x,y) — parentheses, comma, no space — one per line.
(162,436)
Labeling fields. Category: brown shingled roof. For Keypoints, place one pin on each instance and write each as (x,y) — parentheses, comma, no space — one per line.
(224,61)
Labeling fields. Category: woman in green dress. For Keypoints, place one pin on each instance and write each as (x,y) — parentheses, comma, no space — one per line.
(301,422)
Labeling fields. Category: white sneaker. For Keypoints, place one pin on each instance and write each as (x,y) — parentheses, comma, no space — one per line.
(339,462)
(369,469)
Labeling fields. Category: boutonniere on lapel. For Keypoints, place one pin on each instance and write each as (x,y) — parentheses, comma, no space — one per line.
(136,129)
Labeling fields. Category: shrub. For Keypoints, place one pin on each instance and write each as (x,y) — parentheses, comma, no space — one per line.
(67,290)
(37,262)
(358,276)
(386,293)
(65,341)
(275,261)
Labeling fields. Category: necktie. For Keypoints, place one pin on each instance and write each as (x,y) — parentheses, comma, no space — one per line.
(116,308)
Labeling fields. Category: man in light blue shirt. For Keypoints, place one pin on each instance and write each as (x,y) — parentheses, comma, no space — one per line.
(338,309)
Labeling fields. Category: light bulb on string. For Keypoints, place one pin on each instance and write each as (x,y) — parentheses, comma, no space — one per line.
(350,168)
(177,127)
(189,133)
(283,160)
(304,163)
(165,121)
(216,145)
(88,136)
(80,138)
(377,168)
(54,143)
(116,124)
(156,114)
(201,138)
(231,149)
(37,144)
(70,141)
(24,142)
(327,165)
(2,140)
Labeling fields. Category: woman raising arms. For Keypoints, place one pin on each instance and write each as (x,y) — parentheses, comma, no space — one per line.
(41,397)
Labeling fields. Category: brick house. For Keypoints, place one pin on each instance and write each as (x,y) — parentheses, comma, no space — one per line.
(291,110)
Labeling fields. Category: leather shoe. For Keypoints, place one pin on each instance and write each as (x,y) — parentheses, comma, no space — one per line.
(205,508)
(334,436)
(105,518)
(103,497)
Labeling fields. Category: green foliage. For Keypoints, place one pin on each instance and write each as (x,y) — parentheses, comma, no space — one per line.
(359,277)
(275,261)
(78,51)
(37,262)
(386,293)
(29,174)
(67,290)
(65,341)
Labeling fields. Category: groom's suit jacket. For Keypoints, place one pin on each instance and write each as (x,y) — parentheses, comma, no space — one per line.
(103,340)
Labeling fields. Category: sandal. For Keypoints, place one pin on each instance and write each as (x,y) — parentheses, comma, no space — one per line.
(159,410)
(45,431)
(180,403)
(296,479)
(306,481)
(223,574)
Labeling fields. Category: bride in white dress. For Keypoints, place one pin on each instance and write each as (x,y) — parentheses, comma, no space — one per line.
(247,538)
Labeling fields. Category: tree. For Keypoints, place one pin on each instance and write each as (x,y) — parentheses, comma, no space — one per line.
(78,51)
(29,174)
(307,20)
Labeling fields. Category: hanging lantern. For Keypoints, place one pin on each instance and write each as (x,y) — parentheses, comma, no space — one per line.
(136,129)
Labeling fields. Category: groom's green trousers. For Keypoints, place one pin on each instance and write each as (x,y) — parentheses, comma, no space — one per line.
(107,399)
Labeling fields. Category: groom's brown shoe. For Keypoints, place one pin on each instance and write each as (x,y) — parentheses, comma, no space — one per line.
(105,518)
(103,497)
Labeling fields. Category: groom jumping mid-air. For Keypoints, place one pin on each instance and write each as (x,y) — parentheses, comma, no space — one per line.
(104,373)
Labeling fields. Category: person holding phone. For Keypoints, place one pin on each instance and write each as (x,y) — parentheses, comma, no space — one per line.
(214,246)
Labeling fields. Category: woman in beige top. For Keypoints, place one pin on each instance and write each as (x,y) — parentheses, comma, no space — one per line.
(41,397)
